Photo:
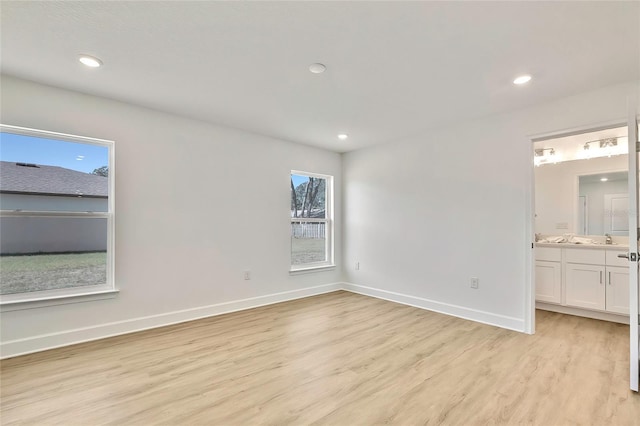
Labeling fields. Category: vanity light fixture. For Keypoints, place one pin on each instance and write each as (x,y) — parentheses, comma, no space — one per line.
(90,61)
(541,157)
(605,145)
(608,145)
(522,79)
(539,152)
(587,153)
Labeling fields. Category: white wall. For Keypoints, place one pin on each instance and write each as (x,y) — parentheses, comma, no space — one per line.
(196,204)
(421,216)
(424,215)
(557,189)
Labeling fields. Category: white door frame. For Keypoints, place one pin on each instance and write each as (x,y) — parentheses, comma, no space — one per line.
(530,290)
(529,279)
(634,335)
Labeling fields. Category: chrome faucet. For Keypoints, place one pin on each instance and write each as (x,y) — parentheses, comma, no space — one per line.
(608,240)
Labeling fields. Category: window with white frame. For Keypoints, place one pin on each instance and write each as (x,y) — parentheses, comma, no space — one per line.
(311,220)
(56,215)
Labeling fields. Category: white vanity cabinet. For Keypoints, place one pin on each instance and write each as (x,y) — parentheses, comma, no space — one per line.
(589,278)
(585,277)
(585,286)
(617,282)
(548,275)
(617,297)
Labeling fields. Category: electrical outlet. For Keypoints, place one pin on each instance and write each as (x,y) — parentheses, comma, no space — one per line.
(357,266)
(247,275)
(475,282)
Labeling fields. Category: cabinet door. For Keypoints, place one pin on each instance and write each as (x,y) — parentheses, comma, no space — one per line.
(618,289)
(548,281)
(585,286)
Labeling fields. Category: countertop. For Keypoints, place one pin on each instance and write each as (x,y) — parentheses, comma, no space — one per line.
(618,247)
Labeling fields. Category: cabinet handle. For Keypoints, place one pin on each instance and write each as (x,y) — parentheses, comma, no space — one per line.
(600,277)
(609,277)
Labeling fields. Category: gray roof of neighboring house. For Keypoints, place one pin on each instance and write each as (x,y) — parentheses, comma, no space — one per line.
(50,180)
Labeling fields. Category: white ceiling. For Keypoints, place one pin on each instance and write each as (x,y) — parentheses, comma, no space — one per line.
(395,69)
(611,177)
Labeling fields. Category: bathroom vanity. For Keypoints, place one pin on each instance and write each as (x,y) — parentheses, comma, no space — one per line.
(588,280)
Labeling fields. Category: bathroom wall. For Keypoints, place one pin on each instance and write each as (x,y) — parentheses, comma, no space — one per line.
(556,191)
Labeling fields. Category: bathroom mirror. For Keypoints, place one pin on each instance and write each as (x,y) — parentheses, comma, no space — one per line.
(570,197)
(603,204)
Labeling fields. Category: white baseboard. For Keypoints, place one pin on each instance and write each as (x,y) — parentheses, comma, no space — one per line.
(604,316)
(511,323)
(13,348)
(44,342)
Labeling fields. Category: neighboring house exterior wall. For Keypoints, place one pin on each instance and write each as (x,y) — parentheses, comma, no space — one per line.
(52,203)
(42,188)
(21,235)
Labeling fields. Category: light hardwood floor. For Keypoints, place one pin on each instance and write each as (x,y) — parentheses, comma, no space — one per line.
(335,359)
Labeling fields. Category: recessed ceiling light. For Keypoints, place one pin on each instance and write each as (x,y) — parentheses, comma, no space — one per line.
(317,68)
(343,136)
(522,79)
(604,179)
(90,61)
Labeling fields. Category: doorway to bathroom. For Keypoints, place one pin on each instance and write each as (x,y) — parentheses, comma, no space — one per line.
(585,225)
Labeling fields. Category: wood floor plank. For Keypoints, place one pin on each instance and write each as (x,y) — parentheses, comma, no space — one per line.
(334,359)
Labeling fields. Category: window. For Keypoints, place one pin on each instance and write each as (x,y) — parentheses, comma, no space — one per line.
(56,215)
(311,221)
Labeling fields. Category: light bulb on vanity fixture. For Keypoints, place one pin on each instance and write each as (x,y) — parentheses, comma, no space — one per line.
(609,146)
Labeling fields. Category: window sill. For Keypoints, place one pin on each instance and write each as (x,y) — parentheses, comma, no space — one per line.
(43,301)
(323,268)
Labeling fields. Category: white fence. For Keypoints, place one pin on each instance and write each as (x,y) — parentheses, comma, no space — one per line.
(308,229)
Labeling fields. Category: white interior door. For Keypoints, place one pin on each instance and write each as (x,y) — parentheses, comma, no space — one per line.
(634,300)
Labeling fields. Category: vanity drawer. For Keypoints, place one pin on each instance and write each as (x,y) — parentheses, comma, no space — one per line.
(550,254)
(614,260)
(585,256)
